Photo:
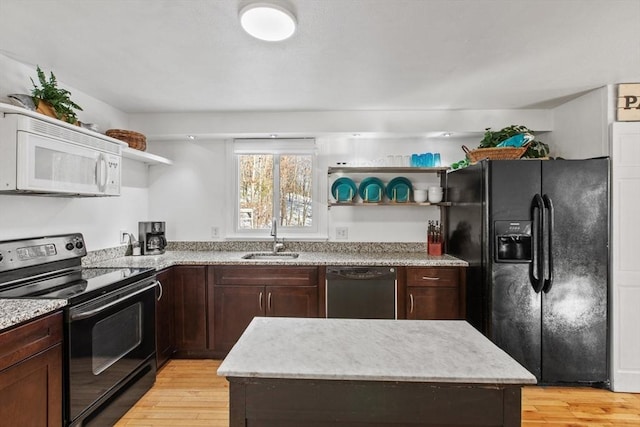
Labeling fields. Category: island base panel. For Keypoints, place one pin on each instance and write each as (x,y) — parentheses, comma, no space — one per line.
(263,402)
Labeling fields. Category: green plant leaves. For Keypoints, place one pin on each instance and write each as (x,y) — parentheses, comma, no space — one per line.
(58,98)
(535,149)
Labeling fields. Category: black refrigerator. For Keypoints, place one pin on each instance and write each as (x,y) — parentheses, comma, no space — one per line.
(536,236)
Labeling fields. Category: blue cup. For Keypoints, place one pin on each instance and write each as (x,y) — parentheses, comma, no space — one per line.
(415,161)
(436,160)
(428,160)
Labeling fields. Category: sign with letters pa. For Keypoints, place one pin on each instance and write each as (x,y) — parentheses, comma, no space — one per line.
(629,102)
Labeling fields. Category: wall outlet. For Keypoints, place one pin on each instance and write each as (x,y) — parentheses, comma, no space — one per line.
(215,232)
(124,237)
(342,233)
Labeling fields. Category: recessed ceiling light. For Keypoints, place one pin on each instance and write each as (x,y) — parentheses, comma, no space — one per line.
(446,134)
(267,22)
(191,137)
(273,135)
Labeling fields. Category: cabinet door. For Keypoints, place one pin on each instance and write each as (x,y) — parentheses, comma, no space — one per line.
(31,373)
(292,301)
(433,303)
(165,336)
(190,307)
(435,293)
(234,308)
(31,391)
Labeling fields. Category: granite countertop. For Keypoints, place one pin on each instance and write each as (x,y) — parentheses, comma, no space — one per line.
(371,350)
(15,311)
(170,258)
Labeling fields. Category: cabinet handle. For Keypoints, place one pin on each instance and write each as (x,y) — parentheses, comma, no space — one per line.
(160,287)
(260,300)
(410,303)
(430,278)
(269,301)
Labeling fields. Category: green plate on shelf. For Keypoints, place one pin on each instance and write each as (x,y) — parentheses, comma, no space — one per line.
(371,189)
(399,189)
(344,189)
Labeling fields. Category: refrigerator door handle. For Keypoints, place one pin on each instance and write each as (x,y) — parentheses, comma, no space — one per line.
(548,281)
(536,271)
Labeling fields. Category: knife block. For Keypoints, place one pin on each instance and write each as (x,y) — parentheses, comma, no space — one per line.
(434,249)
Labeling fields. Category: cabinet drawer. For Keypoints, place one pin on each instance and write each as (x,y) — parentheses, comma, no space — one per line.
(266,275)
(26,340)
(433,276)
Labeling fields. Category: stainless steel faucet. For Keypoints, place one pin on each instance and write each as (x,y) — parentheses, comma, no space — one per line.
(277,245)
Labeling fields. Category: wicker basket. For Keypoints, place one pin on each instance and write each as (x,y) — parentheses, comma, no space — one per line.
(135,140)
(494,153)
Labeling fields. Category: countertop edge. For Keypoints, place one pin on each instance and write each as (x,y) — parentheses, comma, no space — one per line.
(15,311)
(173,258)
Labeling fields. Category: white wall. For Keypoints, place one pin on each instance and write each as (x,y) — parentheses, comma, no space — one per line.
(191,195)
(581,127)
(99,219)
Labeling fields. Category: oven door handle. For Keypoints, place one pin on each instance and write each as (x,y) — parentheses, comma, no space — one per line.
(90,313)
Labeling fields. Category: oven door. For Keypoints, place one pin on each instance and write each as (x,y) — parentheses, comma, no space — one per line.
(109,338)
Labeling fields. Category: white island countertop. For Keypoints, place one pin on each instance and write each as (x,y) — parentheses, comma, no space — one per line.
(448,351)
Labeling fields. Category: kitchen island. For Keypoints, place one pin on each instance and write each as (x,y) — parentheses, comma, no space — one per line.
(328,372)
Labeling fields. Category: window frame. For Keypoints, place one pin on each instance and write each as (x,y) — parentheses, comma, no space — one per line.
(276,147)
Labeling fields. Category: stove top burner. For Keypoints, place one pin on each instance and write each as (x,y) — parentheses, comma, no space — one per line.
(77,285)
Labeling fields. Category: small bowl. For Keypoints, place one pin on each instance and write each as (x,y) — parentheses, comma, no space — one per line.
(435,196)
(420,196)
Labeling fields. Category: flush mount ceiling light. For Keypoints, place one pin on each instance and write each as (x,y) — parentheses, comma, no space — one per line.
(267,22)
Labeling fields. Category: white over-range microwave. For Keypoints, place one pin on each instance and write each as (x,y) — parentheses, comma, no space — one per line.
(40,157)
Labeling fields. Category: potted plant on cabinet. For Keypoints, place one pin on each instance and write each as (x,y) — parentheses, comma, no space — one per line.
(53,101)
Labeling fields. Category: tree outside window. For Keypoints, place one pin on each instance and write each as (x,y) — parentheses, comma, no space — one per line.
(286,179)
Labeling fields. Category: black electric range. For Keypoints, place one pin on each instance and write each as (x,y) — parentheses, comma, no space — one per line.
(108,350)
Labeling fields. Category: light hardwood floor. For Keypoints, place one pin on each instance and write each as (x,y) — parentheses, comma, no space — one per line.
(189,393)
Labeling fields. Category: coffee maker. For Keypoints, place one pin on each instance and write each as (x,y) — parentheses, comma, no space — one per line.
(151,236)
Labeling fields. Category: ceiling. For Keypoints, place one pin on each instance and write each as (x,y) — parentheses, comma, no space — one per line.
(152,56)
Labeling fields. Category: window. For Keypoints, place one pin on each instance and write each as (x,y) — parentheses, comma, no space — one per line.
(275,180)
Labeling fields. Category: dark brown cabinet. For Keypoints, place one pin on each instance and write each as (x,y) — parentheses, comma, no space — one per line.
(190,309)
(31,373)
(244,292)
(165,334)
(435,293)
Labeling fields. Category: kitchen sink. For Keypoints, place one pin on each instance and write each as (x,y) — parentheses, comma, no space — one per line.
(271,255)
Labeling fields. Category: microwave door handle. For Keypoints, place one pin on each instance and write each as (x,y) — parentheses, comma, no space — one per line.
(101,172)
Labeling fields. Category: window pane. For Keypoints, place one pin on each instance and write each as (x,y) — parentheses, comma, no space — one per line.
(295,190)
(256,191)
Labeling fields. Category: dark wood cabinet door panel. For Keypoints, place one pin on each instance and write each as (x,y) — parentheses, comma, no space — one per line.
(165,336)
(433,276)
(190,311)
(266,275)
(25,340)
(429,303)
(292,301)
(234,308)
(31,373)
(31,390)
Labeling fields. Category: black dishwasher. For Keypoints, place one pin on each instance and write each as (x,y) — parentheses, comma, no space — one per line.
(361,292)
